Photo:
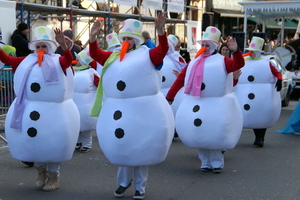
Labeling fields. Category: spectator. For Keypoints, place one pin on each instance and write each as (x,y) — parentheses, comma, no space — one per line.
(184,52)
(79,43)
(20,41)
(148,42)
(70,44)
(224,50)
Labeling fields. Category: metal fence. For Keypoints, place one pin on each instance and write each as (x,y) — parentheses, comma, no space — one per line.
(6,93)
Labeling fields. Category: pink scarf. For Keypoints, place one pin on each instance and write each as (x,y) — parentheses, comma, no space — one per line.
(193,86)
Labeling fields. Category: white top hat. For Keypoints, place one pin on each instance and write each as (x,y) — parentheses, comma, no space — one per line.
(112,40)
(212,34)
(132,28)
(173,40)
(42,34)
(256,44)
(84,57)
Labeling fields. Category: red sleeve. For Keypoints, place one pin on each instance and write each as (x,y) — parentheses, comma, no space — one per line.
(158,53)
(235,81)
(10,60)
(93,65)
(181,60)
(96,80)
(236,63)
(98,54)
(275,72)
(177,85)
(66,60)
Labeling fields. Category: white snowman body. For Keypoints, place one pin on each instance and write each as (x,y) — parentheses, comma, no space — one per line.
(50,121)
(136,125)
(214,120)
(84,96)
(168,77)
(259,101)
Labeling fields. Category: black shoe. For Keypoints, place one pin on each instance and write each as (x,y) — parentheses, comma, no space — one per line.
(30,164)
(85,149)
(138,195)
(121,190)
(259,142)
(217,170)
(78,146)
(205,169)
(175,135)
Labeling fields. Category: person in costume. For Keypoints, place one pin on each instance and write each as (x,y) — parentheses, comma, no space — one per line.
(135,126)
(42,124)
(86,80)
(209,117)
(173,64)
(258,92)
(113,41)
(68,34)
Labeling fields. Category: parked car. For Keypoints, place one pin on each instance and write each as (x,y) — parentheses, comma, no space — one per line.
(296,80)
(287,80)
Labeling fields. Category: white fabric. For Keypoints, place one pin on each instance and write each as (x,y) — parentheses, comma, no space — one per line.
(218,111)
(168,77)
(265,108)
(84,96)
(63,90)
(85,138)
(211,158)
(139,109)
(50,112)
(138,174)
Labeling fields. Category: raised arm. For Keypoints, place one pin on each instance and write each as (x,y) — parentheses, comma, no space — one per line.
(60,39)
(160,23)
(10,60)
(95,30)
(238,60)
(97,54)
(158,53)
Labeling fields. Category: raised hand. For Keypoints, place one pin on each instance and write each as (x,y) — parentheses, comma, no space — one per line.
(60,39)
(232,45)
(95,29)
(160,23)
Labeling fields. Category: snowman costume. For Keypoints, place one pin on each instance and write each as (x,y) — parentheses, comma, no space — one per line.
(42,124)
(172,61)
(86,80)
(136,125)
(256,92)
(209,117)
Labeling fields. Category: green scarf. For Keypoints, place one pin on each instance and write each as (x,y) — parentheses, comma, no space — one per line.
(83,67)
(99,95)
(249,58)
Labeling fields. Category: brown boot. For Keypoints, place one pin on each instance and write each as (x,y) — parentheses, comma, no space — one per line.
(40,182)
(53,181)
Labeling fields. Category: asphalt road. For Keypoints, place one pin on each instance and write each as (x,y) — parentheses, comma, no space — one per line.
(250,173)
